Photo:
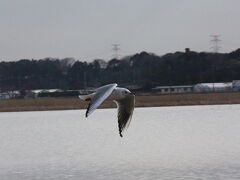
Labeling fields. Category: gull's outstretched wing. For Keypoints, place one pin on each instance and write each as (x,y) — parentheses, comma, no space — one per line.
(125,111)
(102,93)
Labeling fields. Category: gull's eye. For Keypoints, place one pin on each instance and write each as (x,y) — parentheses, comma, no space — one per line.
(125,92)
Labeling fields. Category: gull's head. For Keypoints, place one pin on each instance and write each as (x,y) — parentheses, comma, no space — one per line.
(126,92)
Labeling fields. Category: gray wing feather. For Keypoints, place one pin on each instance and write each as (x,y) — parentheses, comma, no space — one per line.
(125,111)
(102,93)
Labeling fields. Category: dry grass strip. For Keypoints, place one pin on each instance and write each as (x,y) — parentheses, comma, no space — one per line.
(141,101)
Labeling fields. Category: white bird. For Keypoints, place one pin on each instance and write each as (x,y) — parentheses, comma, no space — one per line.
(124,99)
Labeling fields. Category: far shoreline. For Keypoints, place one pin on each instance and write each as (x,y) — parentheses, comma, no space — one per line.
(71,103)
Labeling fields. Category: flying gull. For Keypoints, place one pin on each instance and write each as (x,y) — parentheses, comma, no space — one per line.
(124,99)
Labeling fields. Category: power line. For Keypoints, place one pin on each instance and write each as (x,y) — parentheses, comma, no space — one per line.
(215,42)
(116,49)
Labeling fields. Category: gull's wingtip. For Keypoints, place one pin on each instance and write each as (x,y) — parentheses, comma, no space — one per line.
(87,112)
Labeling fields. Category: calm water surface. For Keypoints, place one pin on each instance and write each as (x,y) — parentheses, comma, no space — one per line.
(197,142)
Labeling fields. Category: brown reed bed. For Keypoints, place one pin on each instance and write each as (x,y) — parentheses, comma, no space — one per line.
(40,104)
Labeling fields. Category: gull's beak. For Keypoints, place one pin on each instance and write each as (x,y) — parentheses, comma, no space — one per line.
(132,93)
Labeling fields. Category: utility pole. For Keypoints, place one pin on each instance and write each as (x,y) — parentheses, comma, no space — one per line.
(115,49)
(215,46)
(215,43)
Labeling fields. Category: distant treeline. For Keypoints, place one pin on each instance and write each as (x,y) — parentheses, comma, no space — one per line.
(143,69)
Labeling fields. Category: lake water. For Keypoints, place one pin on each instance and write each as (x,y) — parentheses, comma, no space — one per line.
(191,142)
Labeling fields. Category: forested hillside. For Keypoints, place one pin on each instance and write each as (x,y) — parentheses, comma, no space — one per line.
(143,69)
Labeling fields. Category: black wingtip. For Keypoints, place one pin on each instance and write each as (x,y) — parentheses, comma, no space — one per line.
(119,129)
(86,115)
(120,132)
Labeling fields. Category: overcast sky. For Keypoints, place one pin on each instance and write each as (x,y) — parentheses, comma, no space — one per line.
(86,29)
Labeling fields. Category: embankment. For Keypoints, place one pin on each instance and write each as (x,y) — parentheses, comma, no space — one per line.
(40,104)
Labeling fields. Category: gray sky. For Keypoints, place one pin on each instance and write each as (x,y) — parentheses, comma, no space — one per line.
(86,29)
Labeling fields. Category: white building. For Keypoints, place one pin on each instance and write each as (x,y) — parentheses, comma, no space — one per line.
(236,85)
(4,96)
(173,89)
(213,87)
(9,94)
